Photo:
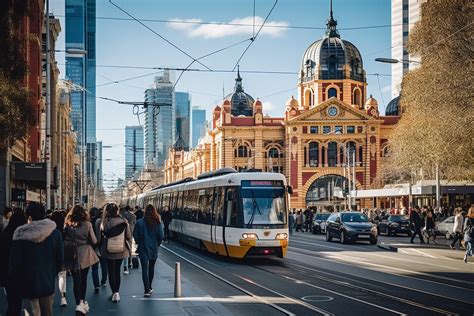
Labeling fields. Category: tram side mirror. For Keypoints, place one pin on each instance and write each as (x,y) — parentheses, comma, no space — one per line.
(289,188)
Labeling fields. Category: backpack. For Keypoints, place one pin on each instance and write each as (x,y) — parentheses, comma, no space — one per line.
(115,238)
(70,252)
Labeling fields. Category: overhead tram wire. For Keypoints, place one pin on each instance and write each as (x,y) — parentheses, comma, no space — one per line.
(158,34)
(256,35)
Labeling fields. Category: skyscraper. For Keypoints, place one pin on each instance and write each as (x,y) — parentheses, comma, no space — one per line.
(183,116)
(160,124)
(80,69)
(134,155)
(198,123)
(405,13)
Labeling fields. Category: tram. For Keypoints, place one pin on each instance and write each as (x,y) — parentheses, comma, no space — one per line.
(230,213)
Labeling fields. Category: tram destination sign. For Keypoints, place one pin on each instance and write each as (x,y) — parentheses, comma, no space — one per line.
(261,183)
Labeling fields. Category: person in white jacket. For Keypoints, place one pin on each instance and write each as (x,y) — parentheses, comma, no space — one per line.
(458,228)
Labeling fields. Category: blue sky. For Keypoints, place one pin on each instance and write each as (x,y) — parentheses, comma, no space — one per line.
(276,49)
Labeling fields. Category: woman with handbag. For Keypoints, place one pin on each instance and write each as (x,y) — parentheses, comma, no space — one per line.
(80,234)
(115,238)
(148,235)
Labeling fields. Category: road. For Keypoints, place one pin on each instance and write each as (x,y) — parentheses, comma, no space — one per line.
(319,277)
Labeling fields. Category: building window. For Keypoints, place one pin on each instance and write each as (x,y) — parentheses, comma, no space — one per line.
(273,153)
(350,129)
(356,97)
(361,155)
(313,129)
(313,154)
(332,92)
(332,154)
(308,98)
(338,130)
(326,129)
(323,156)
(405,34)
(242,151)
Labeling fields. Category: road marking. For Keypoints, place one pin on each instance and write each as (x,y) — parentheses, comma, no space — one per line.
(317,298)
(397,274)
(260,299)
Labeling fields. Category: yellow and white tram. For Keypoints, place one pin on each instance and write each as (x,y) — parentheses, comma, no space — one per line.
(234,214)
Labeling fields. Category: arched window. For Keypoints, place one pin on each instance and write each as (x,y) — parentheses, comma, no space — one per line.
(242,151)
(313,154)
(351,150)
(323,156)
(332,66)
(308,98)
(332,92)
(356,97)
(273,153)
(332,154)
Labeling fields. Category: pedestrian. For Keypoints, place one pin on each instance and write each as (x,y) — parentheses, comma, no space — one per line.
(299,221)
(416,223)
(291,222)
(469,233)
(59,217)
(35,260)
(96,215)
(457,228)
(132,220)
(115,238)
(79,231)
(430,226)
(7,213)
(308,215)
(138,212)
(13,296)
(148,235)
(167,219)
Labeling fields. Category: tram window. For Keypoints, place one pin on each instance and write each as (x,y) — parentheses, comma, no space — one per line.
(232,212)
(219,206)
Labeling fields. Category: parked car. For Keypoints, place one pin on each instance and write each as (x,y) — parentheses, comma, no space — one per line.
(350,226)
(445,228)
(395,224)
(319,223)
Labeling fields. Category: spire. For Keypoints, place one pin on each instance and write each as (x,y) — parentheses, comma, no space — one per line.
(331,24)
(238,81)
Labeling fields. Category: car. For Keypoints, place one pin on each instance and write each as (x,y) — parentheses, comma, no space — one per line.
(319,223)
(445,228)
(349,227)
(395,224)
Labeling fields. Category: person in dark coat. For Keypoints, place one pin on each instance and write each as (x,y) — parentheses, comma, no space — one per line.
(417,224)
(167,219)
(59,217)
(148,235)
(36,258)
(17,219)
(96,215)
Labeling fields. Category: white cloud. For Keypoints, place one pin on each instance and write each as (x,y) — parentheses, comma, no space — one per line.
(387,88)
(268,106)
(218,30)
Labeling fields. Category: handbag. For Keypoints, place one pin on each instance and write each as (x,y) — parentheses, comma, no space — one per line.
(115,238)
(70,252)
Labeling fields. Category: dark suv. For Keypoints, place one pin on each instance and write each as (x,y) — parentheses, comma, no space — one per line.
(350,226)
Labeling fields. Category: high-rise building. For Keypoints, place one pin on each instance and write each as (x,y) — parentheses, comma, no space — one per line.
(99,172)
(405,13)
(81,70)
(198,123)
(134,155)
(183,116)
(160,123)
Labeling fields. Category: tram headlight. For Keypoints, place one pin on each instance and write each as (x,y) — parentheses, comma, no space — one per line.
(249,236)
(281,236)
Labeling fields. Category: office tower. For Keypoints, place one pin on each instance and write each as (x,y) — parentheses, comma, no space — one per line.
(183,116)
(100,171)
(405,13)
(80,69)
(160,123)
(198,123)
(134,155)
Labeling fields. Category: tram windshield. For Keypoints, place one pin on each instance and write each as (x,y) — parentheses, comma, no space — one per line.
(264,205)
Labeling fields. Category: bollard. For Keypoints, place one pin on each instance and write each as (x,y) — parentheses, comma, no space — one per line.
(177,279)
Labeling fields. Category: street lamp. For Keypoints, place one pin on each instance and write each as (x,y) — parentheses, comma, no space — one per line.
(395,61)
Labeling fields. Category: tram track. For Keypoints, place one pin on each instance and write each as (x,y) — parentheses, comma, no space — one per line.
(258,298)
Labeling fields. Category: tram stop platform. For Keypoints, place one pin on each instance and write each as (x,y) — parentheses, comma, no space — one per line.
(161,302)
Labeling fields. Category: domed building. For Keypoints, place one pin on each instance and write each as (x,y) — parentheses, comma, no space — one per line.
(393,107)
(241,103)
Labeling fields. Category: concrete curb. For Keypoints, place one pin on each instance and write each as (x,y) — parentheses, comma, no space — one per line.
(387,247)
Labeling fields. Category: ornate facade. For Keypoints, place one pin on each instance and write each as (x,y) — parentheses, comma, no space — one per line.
(330,125)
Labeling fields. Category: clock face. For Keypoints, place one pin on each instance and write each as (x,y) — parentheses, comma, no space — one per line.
(332,111)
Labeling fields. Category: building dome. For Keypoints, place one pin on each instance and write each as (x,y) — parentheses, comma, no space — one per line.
(371,102)
(326,58)
(393,107)
(179,145)
(241,103)
(292,103)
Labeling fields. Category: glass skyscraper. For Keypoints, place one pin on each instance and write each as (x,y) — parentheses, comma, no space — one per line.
(183,116)
(134,154)
(198,123)
(160,125)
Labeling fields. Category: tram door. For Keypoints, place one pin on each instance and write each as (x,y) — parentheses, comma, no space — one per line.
(217,222)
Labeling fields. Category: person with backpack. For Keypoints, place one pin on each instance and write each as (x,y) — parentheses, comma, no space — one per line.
(132,220)
(16,220)
(148,235)
(35,260)
(115,238)
(469,233)
(96,215)
(167,217)
(80,234)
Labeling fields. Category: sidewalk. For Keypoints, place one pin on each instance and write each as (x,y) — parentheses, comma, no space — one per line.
(161,302)
(432,250)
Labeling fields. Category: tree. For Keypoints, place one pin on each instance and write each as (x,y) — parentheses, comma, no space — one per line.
(437,99)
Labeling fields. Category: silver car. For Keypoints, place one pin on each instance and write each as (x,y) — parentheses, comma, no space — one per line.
(445,227)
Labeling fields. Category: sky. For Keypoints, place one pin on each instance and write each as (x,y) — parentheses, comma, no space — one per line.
(127,43)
